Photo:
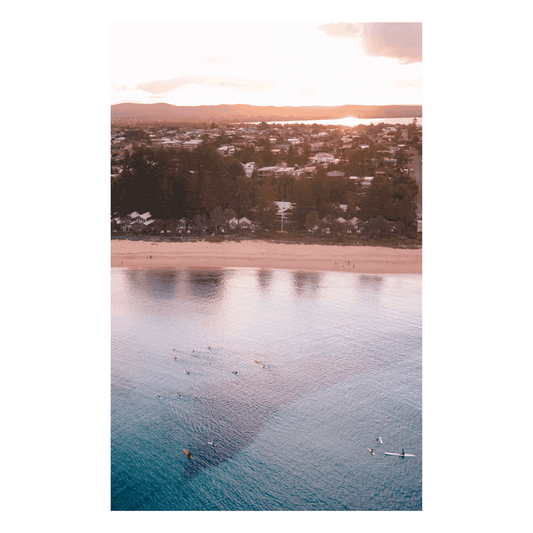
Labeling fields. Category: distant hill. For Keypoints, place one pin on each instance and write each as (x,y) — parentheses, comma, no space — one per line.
(162,112)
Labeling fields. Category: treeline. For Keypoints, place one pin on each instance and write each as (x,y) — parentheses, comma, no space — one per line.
(172,184)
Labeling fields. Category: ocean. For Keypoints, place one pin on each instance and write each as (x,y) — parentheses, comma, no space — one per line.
(291,376)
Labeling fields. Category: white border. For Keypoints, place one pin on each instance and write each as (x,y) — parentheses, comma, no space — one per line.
(100,14)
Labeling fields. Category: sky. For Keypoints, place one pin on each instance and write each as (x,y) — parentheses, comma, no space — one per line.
(321,63)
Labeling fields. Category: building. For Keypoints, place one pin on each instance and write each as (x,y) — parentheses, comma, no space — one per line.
(266,172)
(192,144)
(249,168)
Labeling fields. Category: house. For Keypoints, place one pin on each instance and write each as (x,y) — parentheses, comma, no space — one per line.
(249,168)
(226,150)
(284,171)
(323,157)
(145,216)
(182,225)
(266,172)
(335,174)
(244,223)
(367,181)
(233,223)
(192,144)
(358,224)
(284,212)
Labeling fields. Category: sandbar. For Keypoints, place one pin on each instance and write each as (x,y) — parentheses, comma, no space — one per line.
(146,255)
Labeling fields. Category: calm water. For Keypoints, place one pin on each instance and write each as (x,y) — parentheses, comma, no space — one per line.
(343,356)
(349,121)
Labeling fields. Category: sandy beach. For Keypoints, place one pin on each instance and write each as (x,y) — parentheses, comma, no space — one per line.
(143,255)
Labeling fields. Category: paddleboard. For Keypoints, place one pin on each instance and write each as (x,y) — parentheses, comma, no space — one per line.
(400,454)
(370,450)
(380,440)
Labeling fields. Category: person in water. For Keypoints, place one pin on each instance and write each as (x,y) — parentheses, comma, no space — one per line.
(403,451)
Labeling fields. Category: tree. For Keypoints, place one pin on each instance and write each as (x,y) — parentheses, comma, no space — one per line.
(377,200)
(312,221)
(217,218)
(228,215)
(378,227)
(200,223)
(326,224)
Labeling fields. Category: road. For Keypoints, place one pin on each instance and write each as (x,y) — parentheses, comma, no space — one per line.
(416,173)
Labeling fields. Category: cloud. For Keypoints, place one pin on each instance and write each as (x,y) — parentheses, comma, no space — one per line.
(216,59)
(238,84)
(407,83)
(398,40)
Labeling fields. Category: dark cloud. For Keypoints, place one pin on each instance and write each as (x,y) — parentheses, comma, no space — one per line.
(239,84)
(399,40)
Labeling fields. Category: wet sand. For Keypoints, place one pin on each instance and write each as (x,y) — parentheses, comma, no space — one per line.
(143,255)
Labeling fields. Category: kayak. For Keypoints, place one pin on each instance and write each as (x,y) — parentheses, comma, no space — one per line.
(400,454)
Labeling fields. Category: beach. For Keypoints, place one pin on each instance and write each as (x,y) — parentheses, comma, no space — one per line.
(145,255)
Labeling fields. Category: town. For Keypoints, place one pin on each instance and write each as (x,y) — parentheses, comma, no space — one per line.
(331,183)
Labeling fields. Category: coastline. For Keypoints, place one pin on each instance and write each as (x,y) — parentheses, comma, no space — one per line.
(135,255)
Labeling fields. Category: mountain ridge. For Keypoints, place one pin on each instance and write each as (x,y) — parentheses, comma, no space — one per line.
(160,112)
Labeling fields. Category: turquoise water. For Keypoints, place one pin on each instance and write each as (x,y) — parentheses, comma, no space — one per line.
(343,365)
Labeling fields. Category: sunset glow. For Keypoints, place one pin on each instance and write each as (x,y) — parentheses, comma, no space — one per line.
(281,64)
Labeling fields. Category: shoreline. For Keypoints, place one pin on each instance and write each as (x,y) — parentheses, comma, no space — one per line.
(135,255)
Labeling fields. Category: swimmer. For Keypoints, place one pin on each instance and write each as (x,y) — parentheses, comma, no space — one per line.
(157,396)
(186,372)
(175,358)
(234,371)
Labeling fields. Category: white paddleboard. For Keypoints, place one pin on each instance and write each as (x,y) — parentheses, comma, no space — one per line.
(400,454)
(380,440)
